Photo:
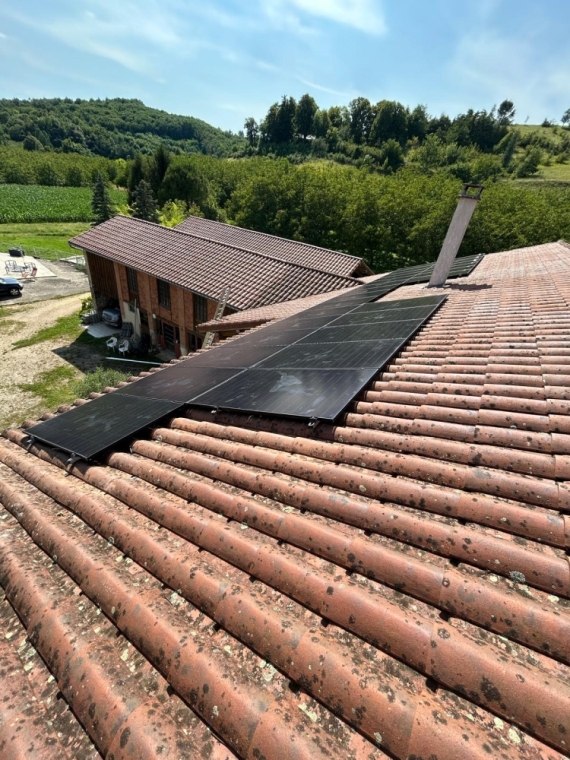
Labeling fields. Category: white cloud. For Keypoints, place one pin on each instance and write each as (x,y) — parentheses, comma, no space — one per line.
(496,67)
(124,32)
(328,90)
(364,15)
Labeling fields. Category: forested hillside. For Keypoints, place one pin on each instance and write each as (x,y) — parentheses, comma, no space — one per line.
(391,220)
(474,146)
(114,128)
(375,180)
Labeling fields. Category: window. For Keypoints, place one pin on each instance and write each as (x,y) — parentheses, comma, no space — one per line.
(132,281)
(200,310)
(163,293)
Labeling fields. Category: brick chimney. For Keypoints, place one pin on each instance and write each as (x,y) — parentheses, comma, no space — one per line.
(468,199)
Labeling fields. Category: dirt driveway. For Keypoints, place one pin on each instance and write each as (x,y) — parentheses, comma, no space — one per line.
(25,365)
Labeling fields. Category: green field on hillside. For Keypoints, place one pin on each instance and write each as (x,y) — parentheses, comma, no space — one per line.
(46,240)
(37,203)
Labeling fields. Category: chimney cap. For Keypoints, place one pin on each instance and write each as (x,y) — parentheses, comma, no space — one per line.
(470,190)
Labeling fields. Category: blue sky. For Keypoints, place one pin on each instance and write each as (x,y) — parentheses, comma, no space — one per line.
(224,60)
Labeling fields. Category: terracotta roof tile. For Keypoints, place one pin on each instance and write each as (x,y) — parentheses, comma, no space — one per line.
(312,256)
(206,267)
(395,585)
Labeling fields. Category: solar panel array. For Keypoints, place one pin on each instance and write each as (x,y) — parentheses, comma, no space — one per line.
(310,365)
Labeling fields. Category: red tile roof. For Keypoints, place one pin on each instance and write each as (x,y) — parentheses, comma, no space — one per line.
(397,585)
(281,248)
(205,267)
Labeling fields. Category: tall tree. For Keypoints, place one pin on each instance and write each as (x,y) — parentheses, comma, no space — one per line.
(137,173)
(506,112)
(160,162)
(144,205)
(418,122)
(390,123)
(101,201)
(279,124)
(566,117)
(304,116)
(361,119)
(251,131)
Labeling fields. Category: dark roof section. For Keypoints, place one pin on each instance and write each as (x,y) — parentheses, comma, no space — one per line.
(397,585)
(253,317)
(205,267)
(304,254)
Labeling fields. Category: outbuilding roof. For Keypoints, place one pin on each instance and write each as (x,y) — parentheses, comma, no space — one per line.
(206,267)
(394,586)
(304,254)
(263,314)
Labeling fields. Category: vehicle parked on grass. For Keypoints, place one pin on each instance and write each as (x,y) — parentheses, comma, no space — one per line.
(10,286)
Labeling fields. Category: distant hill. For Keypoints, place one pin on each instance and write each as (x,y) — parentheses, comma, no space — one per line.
(114,128)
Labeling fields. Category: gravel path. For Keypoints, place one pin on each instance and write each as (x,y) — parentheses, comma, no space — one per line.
(24,365)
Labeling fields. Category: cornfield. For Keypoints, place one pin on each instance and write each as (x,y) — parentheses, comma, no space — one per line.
(38,203)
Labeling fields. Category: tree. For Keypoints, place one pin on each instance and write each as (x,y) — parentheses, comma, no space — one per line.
(144,205)
(361,119)
(391,156)
(390,123)
(529,162)
(137,173)
(305,115)
(160,163)
(32,143)
(184,181)
(321,123)
(566,118)
(418,123)
(506,112)
(173,213)
(101,201)
(251,131)
(279,124)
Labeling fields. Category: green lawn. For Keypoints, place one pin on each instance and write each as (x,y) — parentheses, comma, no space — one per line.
(555,133)
(555,173)
(62,385)
(65,327)
(46,240)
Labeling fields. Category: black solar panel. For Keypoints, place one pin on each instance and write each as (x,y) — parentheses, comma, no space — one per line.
(178,383)
(383,315)
(89,429)
(304,393)
(356,355)
(368,331)
(309,365)
(234,354)
(320,374)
